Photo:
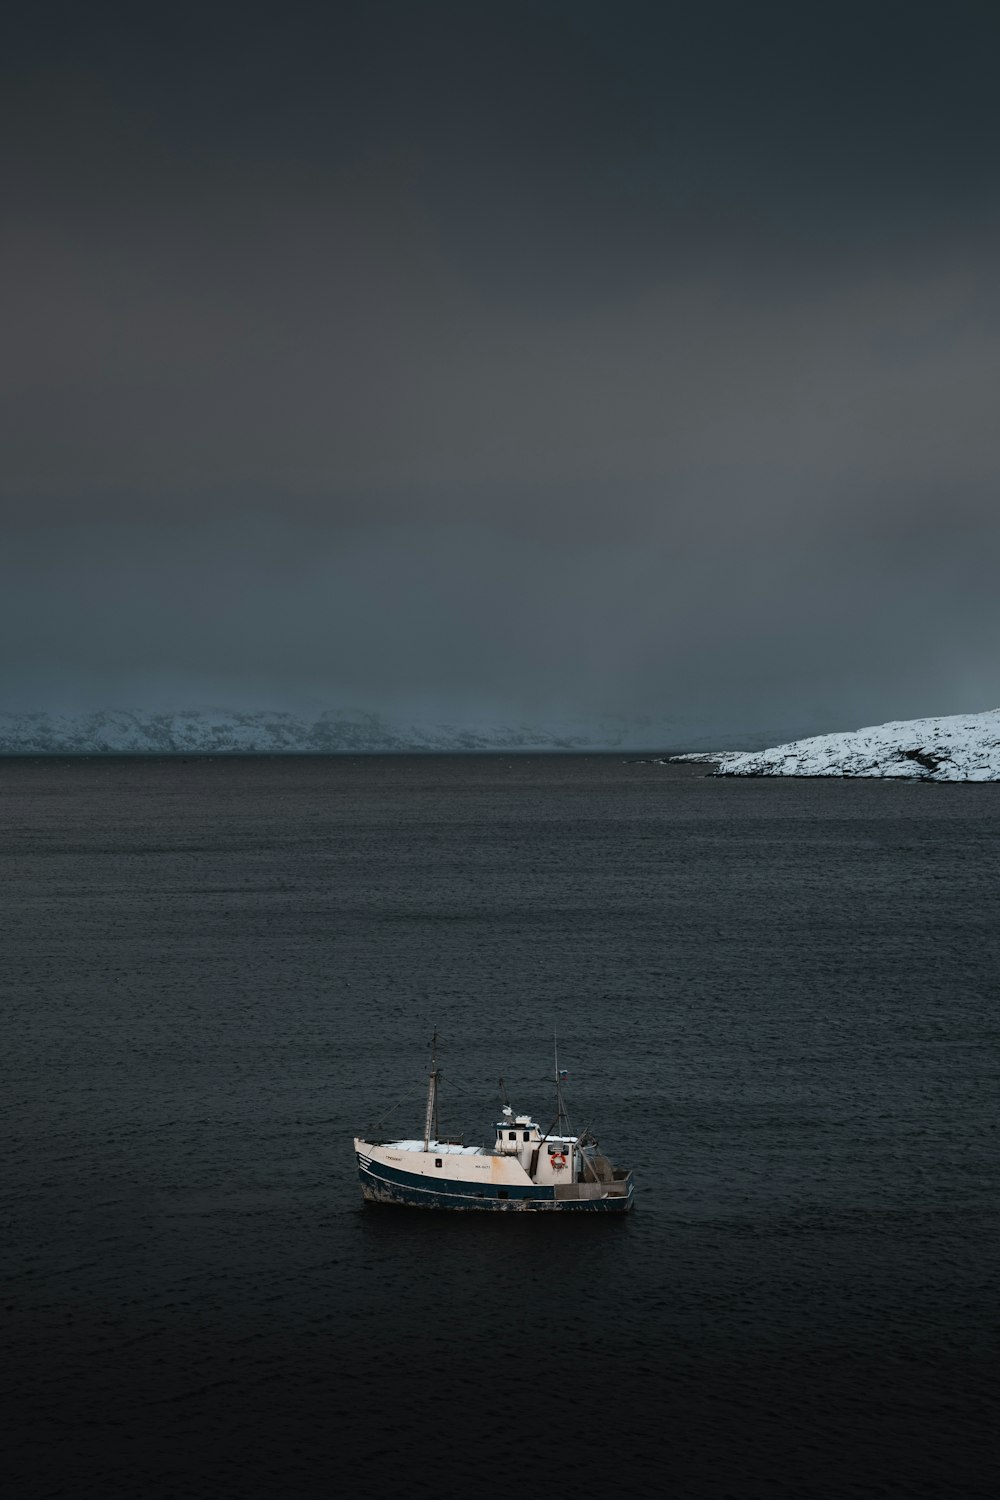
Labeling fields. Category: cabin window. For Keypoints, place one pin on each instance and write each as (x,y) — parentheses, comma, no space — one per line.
(512,1135)
(438,1162)
(527,1136)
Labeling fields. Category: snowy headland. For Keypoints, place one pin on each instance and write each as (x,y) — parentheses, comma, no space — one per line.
(962,747)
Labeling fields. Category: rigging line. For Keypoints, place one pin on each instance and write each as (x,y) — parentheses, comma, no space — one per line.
(584,1158)
(555,1122)
(413,1094)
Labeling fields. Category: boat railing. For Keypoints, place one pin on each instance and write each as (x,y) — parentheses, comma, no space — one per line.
(585,1191)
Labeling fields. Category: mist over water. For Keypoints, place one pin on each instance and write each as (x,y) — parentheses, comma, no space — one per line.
(775,1002)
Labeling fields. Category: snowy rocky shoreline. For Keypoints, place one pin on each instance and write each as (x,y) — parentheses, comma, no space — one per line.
(962,747)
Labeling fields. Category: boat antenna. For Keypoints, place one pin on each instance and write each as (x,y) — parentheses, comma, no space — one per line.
(562,1118)
(559,1098)
(431,1117)
(503,1092)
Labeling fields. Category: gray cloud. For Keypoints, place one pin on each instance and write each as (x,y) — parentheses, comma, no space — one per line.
(537,358)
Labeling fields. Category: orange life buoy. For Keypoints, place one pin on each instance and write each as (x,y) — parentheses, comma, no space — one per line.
(558,1159)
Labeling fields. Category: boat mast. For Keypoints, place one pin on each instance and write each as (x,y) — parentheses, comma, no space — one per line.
(562,1118)
(560,1112)
(430,1119)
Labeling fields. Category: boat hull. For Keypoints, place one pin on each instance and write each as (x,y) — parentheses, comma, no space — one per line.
(381,1183)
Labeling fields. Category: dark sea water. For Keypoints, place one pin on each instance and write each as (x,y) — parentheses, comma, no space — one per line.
(777,1001)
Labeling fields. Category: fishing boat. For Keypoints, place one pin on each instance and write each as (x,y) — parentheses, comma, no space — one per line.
(524,1169)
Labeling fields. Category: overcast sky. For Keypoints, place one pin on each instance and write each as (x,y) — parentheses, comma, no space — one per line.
(515,358)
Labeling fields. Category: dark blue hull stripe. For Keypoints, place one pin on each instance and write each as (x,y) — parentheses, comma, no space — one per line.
(389,1185)
(448,1187)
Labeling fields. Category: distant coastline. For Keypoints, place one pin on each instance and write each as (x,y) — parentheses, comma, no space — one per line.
(224,732)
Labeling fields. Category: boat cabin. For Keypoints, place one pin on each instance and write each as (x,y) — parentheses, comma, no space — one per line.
(549,1159)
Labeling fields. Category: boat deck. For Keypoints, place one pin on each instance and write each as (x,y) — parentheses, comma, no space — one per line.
(438,1148)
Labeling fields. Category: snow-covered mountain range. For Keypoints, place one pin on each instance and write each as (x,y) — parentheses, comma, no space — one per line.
(347,731)
(962,747)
